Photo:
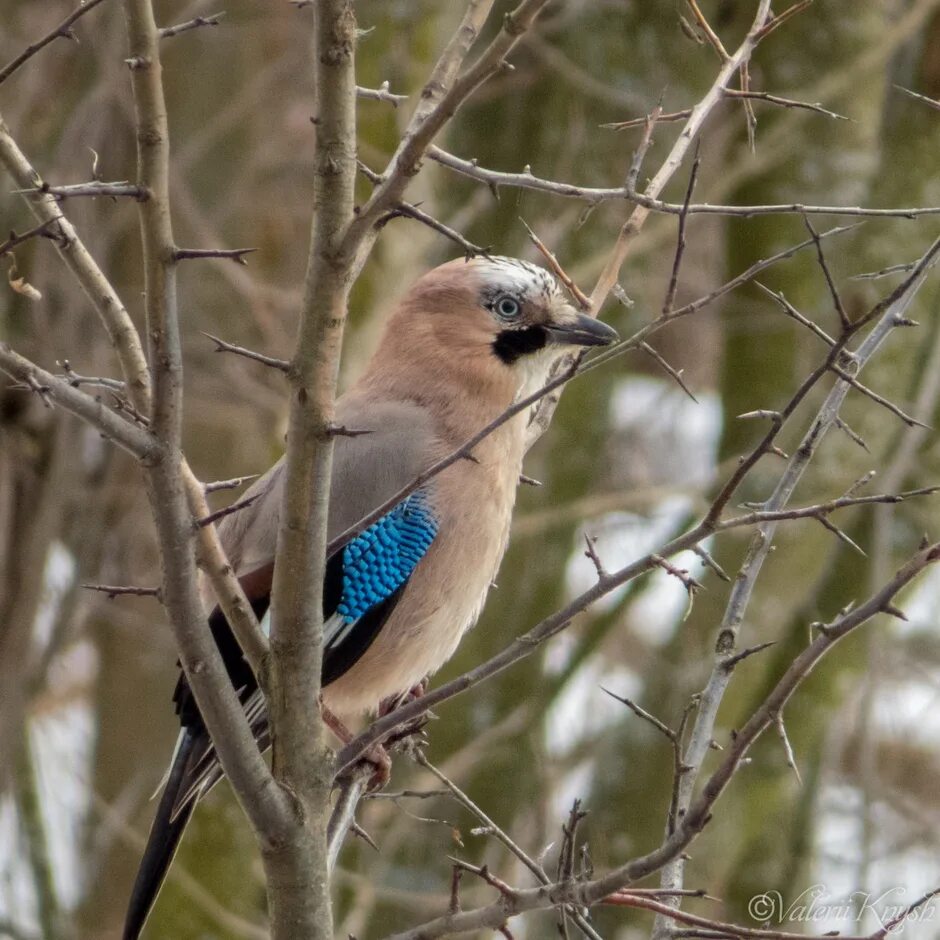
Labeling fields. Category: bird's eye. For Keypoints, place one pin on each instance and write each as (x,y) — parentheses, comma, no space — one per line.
(507,308)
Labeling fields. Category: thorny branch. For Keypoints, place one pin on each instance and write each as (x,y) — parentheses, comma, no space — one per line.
(62,31)
(596,195)
(587,893)
(891,311)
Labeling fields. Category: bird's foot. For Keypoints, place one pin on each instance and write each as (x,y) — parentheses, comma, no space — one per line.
(377,754)
(411,734)
(388,705)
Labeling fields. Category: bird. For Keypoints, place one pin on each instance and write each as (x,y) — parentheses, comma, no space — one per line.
(466,341)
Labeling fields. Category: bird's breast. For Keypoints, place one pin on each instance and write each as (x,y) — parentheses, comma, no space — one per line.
(473,501)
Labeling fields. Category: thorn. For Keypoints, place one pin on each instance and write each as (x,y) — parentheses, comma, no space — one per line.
(711,563)
(357,830)
(893,611)
(773,416)
(529,481)
(591,553)
(733,661)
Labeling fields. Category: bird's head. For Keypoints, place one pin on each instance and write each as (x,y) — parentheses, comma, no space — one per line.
(511,312)
(493,326)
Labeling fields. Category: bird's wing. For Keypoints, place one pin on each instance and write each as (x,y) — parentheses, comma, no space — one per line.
(364,580)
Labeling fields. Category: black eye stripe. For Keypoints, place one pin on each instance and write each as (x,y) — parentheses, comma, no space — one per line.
(511,345)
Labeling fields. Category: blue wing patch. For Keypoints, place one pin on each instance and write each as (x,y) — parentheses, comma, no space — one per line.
(380,560)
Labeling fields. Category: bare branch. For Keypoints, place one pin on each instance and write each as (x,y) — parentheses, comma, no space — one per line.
(443,95)
(171,485)
(787,747)
(409,211)
(645,715)
(778,21)
(232,484)
(889,311)
(582,300)
(795,314)
(167,32)
(600,890)
(114,590)
(930,102)
(40,231)
(227,511)
(222,346)
(680,238)
(596,195)
(381,93)
(783,102)
(63,31)
(236,254)
(93,188)
(731,94)
(639,155)
(133,439)
(830,283)
(708,31)
(119,325)
(493,829)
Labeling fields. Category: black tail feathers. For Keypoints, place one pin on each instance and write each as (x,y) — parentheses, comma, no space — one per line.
(165,833)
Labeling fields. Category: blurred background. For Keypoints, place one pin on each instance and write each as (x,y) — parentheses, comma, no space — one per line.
(86,724)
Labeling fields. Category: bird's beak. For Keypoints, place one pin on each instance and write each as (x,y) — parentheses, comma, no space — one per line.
(582,331)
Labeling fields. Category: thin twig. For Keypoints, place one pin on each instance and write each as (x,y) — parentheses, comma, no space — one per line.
(235,254)
(636,161)
(645,715)
(407,210)
(787,747)
(827,274)
(167,32)
(222,346)
(117,590)
(497,832)
(931,102)
(680,238)
(783,102)
(39,231)
(596,195)
(232,484)
(381,93)
(63,31)
(92,188)
(582,300)
(710,34)
(227,510)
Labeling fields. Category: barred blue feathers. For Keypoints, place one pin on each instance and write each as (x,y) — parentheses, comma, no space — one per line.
(380,560)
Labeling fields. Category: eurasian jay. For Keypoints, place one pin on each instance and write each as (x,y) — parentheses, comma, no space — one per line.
(467,340)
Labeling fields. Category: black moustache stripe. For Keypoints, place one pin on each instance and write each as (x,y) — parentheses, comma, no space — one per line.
(509,345)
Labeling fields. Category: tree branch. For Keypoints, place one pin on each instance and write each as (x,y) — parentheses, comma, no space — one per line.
(297,871)
(595,195)
(443,95)
(130,437)
(727,632)
(120,328)
(599,890)
(218,702)
(63,31)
